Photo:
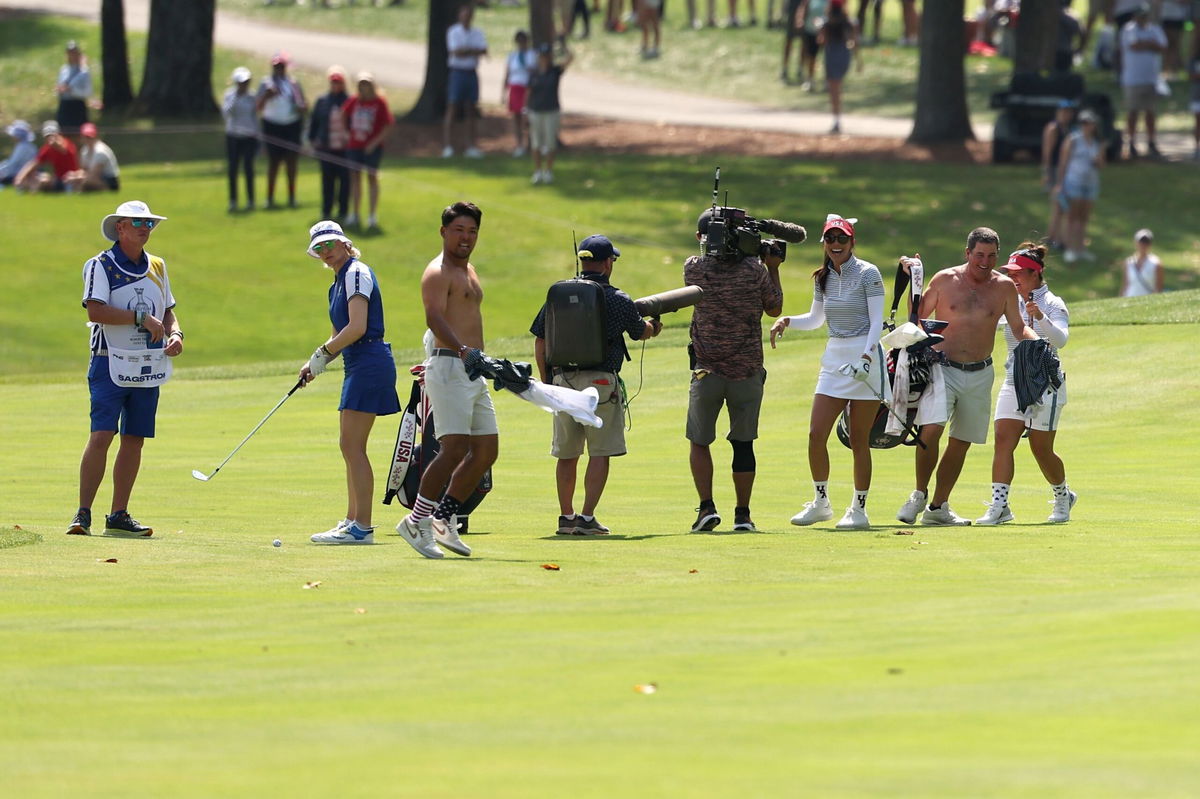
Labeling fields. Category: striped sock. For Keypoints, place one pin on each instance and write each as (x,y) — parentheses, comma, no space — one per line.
(422,508)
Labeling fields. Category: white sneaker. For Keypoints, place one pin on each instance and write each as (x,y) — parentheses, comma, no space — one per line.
(537,177)
(518,152)
(1062,508)
(473,152)
(352,220)
(943,517)
(812,513)
(1070,256)
(909,510)
(997,513)
(350,534)
(547,176)
(372,221)
(342,525)
(447,151)
(446,534)
(855,519)
(419,536)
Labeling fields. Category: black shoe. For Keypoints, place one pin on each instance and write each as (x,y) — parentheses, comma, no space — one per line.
(708,519)
(121,523)
(566,525)
(742,521)
(1152,148)
(593,527)
(82,523)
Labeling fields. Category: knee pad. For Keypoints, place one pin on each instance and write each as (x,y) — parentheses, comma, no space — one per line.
(743,456)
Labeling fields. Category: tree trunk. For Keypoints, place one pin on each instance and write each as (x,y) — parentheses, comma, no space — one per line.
(541,22)
(1037,33)
(179,60)
(941,113)
(114,55)
(431,105)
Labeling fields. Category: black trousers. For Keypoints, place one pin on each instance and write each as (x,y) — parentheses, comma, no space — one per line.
(239,153)
(335,181)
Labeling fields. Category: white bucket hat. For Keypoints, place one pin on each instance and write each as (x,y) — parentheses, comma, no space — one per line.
(133,209)
(325,230)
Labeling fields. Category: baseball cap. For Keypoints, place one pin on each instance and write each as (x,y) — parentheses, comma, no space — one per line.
(336,72)
(836,222)
(598,248)
(20,130)
(1021,259)
(1145,234)
(132,209)
(88,130)
(365,77)
(1087,115)
(240,75)
(280,57)
(1067,102)
(325,230)
(50,127)
(72,45)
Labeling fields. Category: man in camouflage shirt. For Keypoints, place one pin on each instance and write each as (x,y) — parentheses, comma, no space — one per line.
(727,368)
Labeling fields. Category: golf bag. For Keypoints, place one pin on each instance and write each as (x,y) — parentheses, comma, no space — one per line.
(921,357)
(409,458)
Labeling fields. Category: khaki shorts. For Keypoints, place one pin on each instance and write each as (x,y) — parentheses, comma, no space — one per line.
(1043,415)
(570,435)
(708,394)
(543,131)
(461,407)
(1142,97)
(968,401)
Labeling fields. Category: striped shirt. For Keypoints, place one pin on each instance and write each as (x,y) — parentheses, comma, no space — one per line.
(845,298)
(1053,327)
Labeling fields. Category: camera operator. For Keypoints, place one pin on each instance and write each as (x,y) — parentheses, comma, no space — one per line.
(597,255)
(727,366)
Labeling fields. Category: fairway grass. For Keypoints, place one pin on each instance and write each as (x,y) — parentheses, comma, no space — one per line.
(1023,660)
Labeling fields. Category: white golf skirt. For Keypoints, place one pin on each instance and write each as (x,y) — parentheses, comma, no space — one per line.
(833,383)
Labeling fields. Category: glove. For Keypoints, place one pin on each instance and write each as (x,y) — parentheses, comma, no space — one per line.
(860,370)
(319,360)
(475,363)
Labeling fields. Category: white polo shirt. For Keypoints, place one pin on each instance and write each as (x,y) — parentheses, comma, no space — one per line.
(460,38)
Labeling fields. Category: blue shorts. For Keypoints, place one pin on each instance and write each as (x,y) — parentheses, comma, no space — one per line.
(1078,190)
(370,382)
(134,408)
(464,87)
(368,158)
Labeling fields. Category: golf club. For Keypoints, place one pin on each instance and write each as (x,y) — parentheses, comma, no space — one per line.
(903,423)
(199,475)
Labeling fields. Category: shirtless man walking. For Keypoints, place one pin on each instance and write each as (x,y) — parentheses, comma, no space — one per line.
(971,297)
(462,409)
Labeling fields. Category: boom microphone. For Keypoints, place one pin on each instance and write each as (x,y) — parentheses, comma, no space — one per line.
(668,301)
(784,230)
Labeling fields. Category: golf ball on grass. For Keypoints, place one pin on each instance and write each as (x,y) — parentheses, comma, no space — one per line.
(276,543)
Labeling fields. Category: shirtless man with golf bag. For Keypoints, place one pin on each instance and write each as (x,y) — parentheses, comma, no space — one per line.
(971,297)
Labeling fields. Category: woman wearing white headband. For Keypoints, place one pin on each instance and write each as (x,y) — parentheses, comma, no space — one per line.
(848,298)
(369,387)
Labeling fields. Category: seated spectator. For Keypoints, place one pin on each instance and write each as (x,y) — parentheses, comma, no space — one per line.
(24,151)
(98,170)
(57,155)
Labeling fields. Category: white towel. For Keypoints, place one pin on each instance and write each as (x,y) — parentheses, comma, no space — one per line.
(579,405)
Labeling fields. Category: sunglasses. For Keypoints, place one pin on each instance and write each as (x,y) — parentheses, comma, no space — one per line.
(325,245)
(149,224)
(840,238)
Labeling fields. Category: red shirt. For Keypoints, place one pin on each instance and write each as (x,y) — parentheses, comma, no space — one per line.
(364,119)
(63,161)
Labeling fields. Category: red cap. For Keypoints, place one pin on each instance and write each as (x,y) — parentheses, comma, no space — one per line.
(837,223)
(87,130)
(280,57)
(1019,260)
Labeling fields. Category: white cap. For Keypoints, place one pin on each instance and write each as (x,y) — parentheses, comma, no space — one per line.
(1144,233)
(132,209)
(325,230)
(50,127)
(240,75)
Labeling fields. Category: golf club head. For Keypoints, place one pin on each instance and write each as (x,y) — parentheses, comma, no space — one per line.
(201,476)
(933,325)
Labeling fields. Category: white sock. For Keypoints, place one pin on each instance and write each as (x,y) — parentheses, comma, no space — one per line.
(821,492)
(1062,489)
(422,508)
(585,517)
(1000,493)
(860,500)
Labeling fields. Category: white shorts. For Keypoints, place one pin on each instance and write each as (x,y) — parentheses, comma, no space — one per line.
(1042,415)
(461,407)
(832,383)
(967,397)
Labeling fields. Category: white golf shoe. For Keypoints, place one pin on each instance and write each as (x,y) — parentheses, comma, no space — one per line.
(1062,508)
(943,517)
(349,534)
(813,512)
(855,519)
(997,513)
(446,534)
(909,510)
(419,536)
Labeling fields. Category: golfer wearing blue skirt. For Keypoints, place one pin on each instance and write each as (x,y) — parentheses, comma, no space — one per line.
(369,387)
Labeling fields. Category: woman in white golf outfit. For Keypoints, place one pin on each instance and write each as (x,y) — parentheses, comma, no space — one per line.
(848,298)
(1046,315)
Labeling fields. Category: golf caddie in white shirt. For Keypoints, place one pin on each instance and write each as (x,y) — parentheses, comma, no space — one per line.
(134,334)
